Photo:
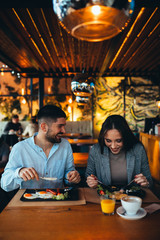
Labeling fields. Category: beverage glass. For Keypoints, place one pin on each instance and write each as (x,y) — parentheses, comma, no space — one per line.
(107,205)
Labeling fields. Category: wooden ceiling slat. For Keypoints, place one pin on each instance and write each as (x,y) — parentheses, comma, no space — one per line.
(43,27)
(25,42)
(34,34)
(145,53)
(33,40)
(134,36)
(97,56)
(137,45)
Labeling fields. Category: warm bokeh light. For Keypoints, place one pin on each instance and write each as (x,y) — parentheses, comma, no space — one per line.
(22,91)
(2,73)
(158,104)
(70,100)
(96,10)
(49,89)
(24,101)
(69,109)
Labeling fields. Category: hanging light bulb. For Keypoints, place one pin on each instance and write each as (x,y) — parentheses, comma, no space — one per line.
(93,20)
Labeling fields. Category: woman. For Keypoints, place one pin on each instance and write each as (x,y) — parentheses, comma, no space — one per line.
(118,157)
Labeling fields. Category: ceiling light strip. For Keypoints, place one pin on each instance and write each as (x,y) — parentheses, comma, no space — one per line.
(142,44)
(135,42)
(50,34)
(40,36)
(129,33)
(147,23)
(35,45)
(65,52)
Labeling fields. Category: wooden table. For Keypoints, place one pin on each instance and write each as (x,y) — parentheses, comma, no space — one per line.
(83,141)
(75,135)
(80,159)
(74,222)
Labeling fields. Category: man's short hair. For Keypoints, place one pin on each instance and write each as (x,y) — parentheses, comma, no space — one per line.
(51,112)
(15,116)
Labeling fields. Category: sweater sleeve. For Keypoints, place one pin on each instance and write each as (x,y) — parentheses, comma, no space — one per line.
(142,157)
(91,163)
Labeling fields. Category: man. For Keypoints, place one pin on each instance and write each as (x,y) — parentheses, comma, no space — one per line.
(12,130)
(13,126)
(43,155)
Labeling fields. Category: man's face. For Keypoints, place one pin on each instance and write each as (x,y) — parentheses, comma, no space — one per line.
(55,129)
(15,120)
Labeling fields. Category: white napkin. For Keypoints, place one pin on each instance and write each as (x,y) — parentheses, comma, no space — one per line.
(152,208)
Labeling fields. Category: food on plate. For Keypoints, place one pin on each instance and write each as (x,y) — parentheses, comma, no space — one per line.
(57,195)
(44,194)
(117,193)
(30,195)
(52,194)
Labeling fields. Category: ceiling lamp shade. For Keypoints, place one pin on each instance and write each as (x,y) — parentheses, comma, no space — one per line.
(82,85)
(93,20)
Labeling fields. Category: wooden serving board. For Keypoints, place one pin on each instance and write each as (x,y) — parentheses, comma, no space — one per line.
(16,202)
(92,196)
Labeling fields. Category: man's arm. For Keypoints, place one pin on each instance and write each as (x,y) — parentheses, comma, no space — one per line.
(10,178)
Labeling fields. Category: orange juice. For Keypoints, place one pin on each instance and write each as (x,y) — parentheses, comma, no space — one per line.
(107,206)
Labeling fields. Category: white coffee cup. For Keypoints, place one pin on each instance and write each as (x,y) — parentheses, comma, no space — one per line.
(131,204)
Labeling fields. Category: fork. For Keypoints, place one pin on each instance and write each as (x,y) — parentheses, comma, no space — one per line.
(128,184)
(101,183)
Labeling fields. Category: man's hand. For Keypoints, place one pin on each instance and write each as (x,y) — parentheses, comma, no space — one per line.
(28,174)
(73,177)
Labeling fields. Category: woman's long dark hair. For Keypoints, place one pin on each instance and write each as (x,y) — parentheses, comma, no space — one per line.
(119,123)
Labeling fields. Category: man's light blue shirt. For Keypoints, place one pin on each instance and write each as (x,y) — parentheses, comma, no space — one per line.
(27,154)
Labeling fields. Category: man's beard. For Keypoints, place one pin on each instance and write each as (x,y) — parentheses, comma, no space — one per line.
(52,139)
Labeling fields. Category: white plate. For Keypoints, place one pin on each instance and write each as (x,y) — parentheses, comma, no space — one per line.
(140,214)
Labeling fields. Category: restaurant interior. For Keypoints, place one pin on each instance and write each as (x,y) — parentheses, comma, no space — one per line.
(42,61)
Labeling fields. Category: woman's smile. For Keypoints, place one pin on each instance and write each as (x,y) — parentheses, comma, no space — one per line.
(113,140)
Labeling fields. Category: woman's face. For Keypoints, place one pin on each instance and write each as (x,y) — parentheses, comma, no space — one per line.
(113,140)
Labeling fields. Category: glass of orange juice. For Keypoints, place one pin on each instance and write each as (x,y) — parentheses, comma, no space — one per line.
(107,205)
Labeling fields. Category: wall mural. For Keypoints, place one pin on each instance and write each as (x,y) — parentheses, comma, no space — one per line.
(140,101)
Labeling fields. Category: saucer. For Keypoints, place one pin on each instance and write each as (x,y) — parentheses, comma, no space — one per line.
(140,214)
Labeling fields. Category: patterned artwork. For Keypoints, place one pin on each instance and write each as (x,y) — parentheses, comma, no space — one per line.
(140,101)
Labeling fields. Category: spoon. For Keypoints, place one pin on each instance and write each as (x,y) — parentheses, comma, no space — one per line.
(48,178)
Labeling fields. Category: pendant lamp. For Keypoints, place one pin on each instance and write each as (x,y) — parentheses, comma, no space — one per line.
(82,85)
(93,20)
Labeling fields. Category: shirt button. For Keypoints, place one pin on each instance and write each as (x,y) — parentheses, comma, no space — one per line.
(40,150)
(46,173)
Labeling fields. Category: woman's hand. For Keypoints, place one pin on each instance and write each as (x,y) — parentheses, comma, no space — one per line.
(92,181)
(141,180)
(28,174)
